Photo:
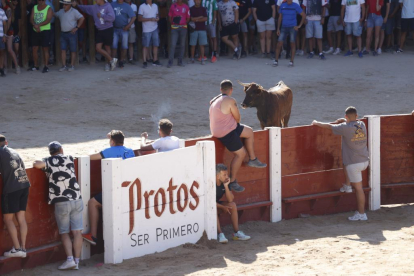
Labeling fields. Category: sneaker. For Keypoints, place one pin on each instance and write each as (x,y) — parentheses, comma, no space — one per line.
(222,239)
(256,164)
(330,51)
(374,53)
(15,253)
(235,55)
(399,51)
(45,69)
(243,54)
(121,64)
(358,216)
(156,63)
(275,63)
(107,67)
(204,58)
(355,49)
(76,267)
(89,238)
(361,54)
(191,61)
(71,69)
(63,68)
(234,186)
(322,56)
(18,71)
(113,63)
(311,54)
(145,65)
(239,52)
(346,188)
(337,51)
(2,74)
(213,59)
(240,236)
(291,64)
(67,265)
(365,52)
(379,51)
(33,69)
(203,62)
(150,60)
(300,52)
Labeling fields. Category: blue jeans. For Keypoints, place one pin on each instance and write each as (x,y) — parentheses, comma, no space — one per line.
(314,29)
(285,31)
(374,20)
(354,28)
(69,216)
(176,34)
(68,39)
(120,34)
(150,38)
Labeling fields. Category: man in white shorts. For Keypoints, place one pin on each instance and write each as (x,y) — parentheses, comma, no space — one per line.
(264,12)
(354,154)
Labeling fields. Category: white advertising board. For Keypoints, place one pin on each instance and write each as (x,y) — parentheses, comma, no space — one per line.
(158,201)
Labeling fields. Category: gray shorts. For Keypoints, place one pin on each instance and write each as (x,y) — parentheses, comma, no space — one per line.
(268,25)
(69,215)
(354,171)
(132,38)
(211,30)
(243,27)
(333,25)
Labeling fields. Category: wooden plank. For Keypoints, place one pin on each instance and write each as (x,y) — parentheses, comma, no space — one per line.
(397,186)
(318,196)
(254,205)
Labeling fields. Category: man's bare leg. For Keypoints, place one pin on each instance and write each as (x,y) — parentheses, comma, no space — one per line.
(11,228)
(21,218)
(248,134)
(229,43)
(67,244)
(218,225)
(234,215)
(236,163)
(360,197)
(93,210)
(77,243)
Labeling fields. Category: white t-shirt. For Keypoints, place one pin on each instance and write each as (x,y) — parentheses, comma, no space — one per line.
(408,9)
(279,2)
(134,9)
(166,143)
(148,11)
(352,10)
(314,17)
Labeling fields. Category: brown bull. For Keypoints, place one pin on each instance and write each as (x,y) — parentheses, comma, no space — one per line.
(273,106)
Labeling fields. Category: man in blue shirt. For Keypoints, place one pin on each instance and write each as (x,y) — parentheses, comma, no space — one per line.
(117,150)
(124,18)
(287,26)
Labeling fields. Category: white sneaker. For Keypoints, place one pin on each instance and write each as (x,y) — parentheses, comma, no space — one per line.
(337,51)
(13,253)
(76,267)
(67,265)
(300,52)
(113,63)
(63,68)
(358,216)
(346,188)
(379,51)
(222,239)
(330,51)
(240,236)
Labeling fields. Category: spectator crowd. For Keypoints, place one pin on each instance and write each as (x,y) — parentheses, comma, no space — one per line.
(163,27)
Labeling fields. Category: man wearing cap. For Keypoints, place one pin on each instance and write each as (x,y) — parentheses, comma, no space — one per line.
(14,197)
(70,20)
(116,150)
(65,194)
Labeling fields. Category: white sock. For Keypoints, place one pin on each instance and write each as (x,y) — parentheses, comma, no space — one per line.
(76,260)
(70,258)
(235,49)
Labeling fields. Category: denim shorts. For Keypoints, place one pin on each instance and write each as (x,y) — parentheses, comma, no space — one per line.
(150,38)
(69,40)
(333,25)
(198,36)
(374,20)
(354,28)
(285,31)
(69,215)
(243,27)
(354,171)
(314,29)
(120,35)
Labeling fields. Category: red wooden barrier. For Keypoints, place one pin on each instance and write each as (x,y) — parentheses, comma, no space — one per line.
(397,159)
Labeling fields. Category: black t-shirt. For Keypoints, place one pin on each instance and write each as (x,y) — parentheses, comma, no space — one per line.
(263,9)
(384,8)
(12,171)
(244,6)
(15,23)
(197,12)
(335,7)
(220,191)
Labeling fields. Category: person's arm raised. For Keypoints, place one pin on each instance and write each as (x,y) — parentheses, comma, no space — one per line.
(229,194)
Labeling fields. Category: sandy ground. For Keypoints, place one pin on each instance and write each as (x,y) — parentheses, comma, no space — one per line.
(323,245)
(79,108)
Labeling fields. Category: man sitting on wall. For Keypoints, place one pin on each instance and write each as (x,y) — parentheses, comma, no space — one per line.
(116,150)
(166,142)
(227,206)
(354,154)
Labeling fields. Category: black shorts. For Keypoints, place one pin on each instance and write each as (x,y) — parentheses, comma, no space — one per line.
(163,25)
(43,38)
(105,37)
(232,29)
(407,24)
(232,141)
(98,198)
(14,202)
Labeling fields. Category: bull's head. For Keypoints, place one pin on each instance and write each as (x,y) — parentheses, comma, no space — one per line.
(253,91)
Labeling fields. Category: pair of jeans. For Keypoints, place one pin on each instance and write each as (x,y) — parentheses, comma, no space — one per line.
(177,34)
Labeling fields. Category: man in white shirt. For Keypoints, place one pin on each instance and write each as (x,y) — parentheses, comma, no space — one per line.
(132,37)
(407,21)
(352,15)
(148,15)
(163,144)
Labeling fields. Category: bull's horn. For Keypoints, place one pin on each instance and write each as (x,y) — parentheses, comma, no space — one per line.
(243,84)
